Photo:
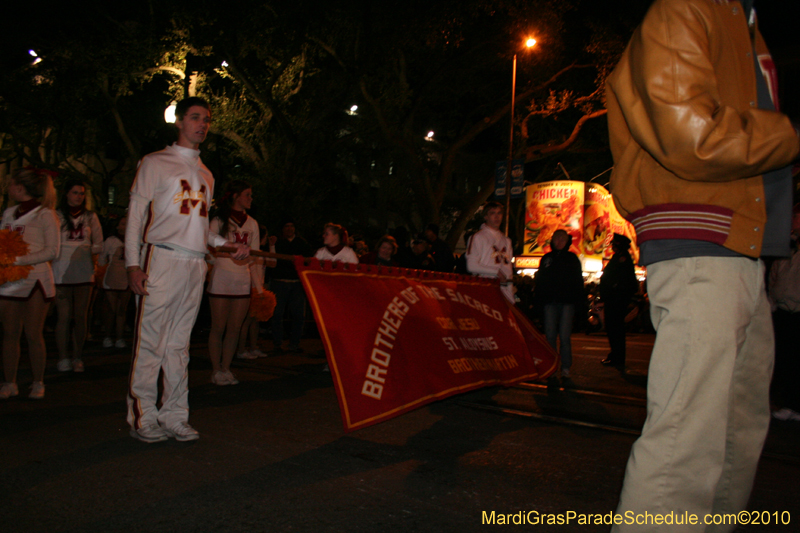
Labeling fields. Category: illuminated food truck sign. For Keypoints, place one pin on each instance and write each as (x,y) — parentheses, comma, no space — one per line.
(584,210)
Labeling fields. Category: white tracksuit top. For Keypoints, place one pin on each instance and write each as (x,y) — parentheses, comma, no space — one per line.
(169,203)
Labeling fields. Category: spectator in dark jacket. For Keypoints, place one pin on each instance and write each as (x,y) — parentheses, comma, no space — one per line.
(617,286)
(559,287)
(288,289)
(420,258)
(442,254)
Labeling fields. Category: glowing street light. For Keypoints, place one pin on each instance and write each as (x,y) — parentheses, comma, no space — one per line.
(429,136)
(530,43)
(169,114)
(32,53)
(224,64)
(353,110)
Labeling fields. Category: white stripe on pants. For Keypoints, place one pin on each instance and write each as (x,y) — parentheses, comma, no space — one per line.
(707,392)
(164,323)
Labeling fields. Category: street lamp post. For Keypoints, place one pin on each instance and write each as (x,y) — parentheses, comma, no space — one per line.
(530,43)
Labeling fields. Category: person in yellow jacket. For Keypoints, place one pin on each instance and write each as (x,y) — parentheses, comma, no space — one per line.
(701,157)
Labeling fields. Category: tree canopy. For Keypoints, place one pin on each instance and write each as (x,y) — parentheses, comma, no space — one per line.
(282,77)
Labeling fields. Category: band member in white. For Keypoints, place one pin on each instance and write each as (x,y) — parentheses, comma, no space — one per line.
(73,269)
(229,286)
(165,245)
(24,303)
(489,252)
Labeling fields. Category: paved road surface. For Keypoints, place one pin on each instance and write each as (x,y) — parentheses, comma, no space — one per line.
(273,455)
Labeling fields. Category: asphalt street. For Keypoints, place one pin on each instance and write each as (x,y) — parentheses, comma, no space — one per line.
(273,455)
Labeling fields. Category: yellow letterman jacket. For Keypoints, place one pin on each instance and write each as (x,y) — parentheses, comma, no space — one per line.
(689,143)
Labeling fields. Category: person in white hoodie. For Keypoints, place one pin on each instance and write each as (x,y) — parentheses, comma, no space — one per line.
(489,252)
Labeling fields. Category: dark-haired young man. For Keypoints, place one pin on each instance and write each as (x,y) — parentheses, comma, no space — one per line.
(165,245)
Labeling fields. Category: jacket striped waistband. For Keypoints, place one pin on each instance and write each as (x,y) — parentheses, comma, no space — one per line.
(682,221)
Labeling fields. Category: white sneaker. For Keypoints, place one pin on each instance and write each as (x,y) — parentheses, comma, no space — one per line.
(182,432)
(120,343)
(64,365)
(230,377)
(219,378)
(786,414)
(77,365)
(8,390)
(149,434)
(258,353)
(246,355)
(107,342)
(37,390)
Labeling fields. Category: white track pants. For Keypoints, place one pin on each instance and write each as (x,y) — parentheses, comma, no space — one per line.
(164,321)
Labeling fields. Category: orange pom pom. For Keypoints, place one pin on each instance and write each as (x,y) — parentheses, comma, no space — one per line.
(14,273)
(11,247)
(262,305)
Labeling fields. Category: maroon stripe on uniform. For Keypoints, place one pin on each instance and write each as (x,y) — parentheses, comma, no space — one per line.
(137,408)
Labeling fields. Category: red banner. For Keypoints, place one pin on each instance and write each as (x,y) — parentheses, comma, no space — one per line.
(398,339)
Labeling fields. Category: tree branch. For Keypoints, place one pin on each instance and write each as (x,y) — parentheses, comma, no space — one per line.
(266,100)
(479,127)
(178,72)
(536,152)
(330,51)
(243,145)
(123,133)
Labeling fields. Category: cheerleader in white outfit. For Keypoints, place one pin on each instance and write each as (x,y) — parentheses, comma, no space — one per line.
(115,284)
(335,240)
(230,280)
(24,303)
(249,332)
(334,237)
(73,269)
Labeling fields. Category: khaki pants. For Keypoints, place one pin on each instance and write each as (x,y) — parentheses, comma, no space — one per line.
(708,392)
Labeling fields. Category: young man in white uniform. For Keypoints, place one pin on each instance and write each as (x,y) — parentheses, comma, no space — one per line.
(165,245)
(489,252)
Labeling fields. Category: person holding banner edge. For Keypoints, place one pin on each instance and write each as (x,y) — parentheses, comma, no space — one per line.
(489,252)
(165,245)
(230,281)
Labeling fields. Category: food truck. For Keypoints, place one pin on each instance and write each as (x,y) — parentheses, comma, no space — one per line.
(585,211)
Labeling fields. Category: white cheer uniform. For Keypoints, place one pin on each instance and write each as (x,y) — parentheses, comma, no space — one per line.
(113,255)
(74,265)
(345,255)
(39,228)
(168,215)
(232,278)
(489,252)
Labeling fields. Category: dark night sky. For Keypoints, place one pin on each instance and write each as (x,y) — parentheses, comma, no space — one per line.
(28,25)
